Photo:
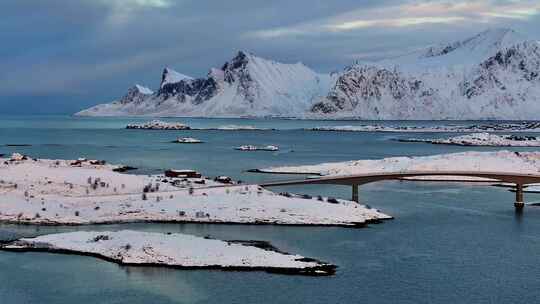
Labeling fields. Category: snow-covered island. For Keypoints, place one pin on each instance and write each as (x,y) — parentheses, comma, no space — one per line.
(257,148)
(56,192)
(159,125)
(482,139)
(163,125)
(475,128)
(500,161)
(182,251)
(240,128)
(187,140)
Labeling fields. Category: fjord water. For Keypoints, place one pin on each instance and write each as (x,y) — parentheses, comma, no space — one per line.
(448,242)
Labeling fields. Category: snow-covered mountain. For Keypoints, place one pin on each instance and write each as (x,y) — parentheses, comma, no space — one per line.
(245,86)
(493,75)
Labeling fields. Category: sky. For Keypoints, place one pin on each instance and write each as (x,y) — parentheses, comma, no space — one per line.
(60,56)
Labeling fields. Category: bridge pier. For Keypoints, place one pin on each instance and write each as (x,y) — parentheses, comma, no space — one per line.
(355,193)
(519,204)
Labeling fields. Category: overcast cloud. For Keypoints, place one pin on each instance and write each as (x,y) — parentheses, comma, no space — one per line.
(59,56)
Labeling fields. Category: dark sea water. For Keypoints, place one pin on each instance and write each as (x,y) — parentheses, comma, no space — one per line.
(448,243)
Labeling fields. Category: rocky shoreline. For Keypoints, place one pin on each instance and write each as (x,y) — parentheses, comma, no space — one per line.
(177,126)
(481,139)
(474,128)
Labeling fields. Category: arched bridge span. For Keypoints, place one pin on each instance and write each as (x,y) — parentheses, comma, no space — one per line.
(519,179)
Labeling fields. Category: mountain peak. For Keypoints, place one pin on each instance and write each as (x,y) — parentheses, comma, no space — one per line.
(497,37)
(171,76)
(242,54)
(143,90)
(241,59)
(499,32)
(136,94)
(483,44)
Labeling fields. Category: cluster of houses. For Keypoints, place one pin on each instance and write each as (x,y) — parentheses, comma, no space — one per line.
(192,174)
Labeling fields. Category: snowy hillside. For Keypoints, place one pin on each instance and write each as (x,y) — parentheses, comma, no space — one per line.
(245,86)
(468,52)
(493,75)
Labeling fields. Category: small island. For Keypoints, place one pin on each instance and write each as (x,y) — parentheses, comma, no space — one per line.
(257,148)
(159,125)
(182,251)
(163,125)
(241,128)
(187,140)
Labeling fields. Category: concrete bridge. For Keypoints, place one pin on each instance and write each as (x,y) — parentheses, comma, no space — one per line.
(519,179)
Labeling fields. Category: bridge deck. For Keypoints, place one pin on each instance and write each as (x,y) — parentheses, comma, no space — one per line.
(519,179)
(361,179)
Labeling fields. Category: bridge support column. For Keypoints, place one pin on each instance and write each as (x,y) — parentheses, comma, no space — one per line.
(355,193)
(519,204)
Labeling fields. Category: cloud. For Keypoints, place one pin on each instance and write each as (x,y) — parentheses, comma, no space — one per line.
(409,15)
(60,76)
(123,11)
(398,22)
(140,3)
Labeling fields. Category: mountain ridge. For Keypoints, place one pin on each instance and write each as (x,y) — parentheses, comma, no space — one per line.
(246,85)
(491,75)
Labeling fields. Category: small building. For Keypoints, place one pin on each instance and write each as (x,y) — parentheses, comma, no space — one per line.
(223,179)
(182,173)
(97,162)
(76,163)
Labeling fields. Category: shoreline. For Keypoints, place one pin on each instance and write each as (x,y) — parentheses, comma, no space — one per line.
(325,270)
(401,179)
(482,139)
(328,270)
(357,225)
